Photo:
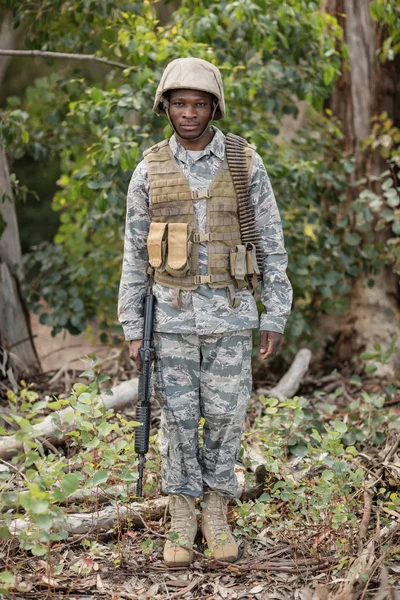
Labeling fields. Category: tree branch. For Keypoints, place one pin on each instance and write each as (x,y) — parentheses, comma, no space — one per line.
(47,54)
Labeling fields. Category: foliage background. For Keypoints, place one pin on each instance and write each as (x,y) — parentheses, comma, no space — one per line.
(73,137)
(91,124)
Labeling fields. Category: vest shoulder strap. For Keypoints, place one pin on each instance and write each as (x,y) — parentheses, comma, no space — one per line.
(156,147)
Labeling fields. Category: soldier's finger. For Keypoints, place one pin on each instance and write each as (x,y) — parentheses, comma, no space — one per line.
(264,352)
(273,348)
(263,344)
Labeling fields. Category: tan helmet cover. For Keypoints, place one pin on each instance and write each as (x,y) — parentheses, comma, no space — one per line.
(191,74)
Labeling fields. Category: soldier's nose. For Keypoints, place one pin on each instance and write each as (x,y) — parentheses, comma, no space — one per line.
(189,112)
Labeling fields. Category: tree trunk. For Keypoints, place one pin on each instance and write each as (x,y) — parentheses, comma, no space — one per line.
(8,37)
(366,89)
(15,334)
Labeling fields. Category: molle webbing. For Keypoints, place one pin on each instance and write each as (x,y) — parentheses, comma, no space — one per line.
(172,202)
(238,165)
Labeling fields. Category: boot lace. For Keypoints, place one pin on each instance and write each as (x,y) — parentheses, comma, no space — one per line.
(180,519)
(218,523)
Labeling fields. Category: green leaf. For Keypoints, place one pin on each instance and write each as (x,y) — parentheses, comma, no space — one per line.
(339,426)
(43,521)
(273,401)
(329,74)
(367,356)
(39,550)
(5,533)
(38,506)
(70,483)
(388,183)
(96,95)
(100,476)
(315,434)
(104,428)
(7,579)
(88,373)
(327,474)
(264,498)
(396,227)
(352,239)
(94,185)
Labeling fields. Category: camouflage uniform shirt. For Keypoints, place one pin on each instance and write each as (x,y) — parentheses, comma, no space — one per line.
(204,311)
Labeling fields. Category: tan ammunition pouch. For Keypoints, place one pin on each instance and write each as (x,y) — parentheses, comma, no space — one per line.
(170,247)
(157,245)
(173,242)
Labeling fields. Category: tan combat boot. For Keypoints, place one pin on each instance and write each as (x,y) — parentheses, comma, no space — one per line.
(215,528)
(184,523)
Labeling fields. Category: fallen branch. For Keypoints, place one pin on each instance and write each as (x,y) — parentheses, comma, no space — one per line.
(365,518)
(68,55)
(290,382)
(123,394)
(103,520)
(194,584)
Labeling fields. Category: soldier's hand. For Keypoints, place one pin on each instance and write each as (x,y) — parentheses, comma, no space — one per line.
(134,353)
(269,343)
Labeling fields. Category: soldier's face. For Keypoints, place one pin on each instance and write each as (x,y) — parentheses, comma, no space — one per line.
(190,111)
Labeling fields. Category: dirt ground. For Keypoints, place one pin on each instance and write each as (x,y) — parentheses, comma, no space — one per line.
(55,352)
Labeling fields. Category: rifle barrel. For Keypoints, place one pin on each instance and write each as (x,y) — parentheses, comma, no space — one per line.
(139,490)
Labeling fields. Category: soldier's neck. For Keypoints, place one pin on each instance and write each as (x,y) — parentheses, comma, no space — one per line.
(199,144)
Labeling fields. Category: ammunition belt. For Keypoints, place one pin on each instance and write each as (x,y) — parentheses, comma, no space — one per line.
(237,163)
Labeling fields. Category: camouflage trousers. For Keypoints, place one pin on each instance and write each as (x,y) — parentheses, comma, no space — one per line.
(198,376)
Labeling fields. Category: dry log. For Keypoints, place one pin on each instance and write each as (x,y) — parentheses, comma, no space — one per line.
(106,519)
(290,382)
(123,394)
(255,456)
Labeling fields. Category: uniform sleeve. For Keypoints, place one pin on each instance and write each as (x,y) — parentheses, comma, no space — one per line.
(134,277)
(276,290)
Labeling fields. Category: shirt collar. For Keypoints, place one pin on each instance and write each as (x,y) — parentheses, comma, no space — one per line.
(216,147)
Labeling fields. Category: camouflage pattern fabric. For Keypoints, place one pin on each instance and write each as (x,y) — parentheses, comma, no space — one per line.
(201,376)
(204,311)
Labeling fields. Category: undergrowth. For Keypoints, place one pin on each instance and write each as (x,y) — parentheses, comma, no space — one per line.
(320,459)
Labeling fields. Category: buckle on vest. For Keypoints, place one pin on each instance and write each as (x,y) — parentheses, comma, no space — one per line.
(196,194)
(200,279)
(201,237)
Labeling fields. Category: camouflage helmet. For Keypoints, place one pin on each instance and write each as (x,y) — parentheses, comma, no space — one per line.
(191,74)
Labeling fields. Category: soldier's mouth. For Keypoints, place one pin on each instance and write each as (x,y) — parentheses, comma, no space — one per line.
(189,127)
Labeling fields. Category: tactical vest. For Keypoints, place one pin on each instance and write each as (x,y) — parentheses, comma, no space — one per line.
(173,241)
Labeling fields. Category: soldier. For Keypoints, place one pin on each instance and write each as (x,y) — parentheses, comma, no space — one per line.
(182,219)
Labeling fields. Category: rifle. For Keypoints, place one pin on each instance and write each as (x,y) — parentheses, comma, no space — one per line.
(143,408)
